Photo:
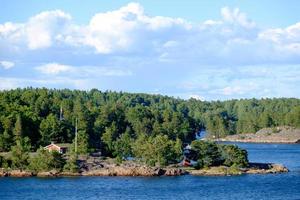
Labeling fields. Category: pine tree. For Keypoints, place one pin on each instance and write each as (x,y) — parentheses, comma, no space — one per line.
(18,131)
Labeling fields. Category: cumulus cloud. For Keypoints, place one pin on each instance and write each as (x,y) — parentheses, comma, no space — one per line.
(53,68)
(7,64)
(42,29)
(38,32)
(210,58)
(236,16)
(80,71)
(232,39)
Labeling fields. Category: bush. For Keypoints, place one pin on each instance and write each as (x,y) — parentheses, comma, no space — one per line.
(71,164)
(207,153)
(234,155)
(46,161)
(20,153)
(157,151)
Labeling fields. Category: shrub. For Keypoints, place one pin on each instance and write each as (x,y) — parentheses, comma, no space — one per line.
(45,161)
(207,153)
(71,163)
(234,155)
(158,150)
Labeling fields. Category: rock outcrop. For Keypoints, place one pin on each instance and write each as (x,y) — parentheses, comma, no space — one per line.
(282,134)
(19,173)
(52,173)
(254,168)
(265,168)
(106,167)
(127,171)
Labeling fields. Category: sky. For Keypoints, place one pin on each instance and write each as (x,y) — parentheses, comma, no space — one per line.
(208,50)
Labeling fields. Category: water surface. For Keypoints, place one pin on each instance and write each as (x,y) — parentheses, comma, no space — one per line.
(270,186)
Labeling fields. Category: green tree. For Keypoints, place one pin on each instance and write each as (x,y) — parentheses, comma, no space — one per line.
(49,130)
(109,136)
(158,150)
(234,156)
(123,146)
(71,163)
(18,129)
(45,161)
(20,153)
(6,139)
(207,153)
(82,142)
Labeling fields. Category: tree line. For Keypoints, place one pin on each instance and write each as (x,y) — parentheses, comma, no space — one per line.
(116,123)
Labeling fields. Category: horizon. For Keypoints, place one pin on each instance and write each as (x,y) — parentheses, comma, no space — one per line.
(144,93)
(209,51)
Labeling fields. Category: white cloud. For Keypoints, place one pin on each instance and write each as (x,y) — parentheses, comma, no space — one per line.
(38,32)
(122,29)
(42,28)
(236,16)
(80,71)
(54,68)
(7,64)
(232,39)
(216,58)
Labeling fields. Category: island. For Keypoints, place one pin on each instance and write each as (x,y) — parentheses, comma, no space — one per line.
(51,132)
(283,134)
(211,159)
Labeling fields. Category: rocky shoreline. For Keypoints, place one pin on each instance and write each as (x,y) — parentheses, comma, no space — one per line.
(254,168)
(123,170)
(285,135)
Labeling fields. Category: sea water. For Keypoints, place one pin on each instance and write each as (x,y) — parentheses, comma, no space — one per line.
(256,186)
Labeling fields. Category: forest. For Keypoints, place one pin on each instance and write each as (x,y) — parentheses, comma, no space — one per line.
(119,123)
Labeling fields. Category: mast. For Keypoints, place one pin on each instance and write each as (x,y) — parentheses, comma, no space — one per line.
(61,113)
(76,122)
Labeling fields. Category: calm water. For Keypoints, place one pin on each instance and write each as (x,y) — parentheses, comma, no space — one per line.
(271,186)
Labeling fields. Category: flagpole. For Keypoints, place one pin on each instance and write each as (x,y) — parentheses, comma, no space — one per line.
(76,122)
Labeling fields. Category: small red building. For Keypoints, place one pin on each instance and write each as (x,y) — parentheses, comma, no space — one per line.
(59,147)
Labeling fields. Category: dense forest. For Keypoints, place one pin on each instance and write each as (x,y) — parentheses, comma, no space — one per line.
(109,121)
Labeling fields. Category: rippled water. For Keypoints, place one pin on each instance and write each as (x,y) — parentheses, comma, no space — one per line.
(270,186)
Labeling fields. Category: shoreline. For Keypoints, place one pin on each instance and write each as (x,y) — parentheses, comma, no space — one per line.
(253,141)
(254,168)
(279,135)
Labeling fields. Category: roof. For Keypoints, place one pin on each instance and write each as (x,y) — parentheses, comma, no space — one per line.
(61,145)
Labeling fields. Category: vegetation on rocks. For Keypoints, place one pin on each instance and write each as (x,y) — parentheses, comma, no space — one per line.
(150,128)
(208,154)
(46,161)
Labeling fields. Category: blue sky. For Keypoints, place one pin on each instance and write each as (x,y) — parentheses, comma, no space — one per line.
(202,49)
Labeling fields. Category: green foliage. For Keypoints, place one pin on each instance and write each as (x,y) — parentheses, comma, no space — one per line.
(45,161)
(20,153)
(109,137)
(123,146)
(49,129)
(103,118)
(234,156)
(5,141)
(207,153)
(158,150)
(293,118)
(82,143)
(210,154)
(71,163)
(18,130)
